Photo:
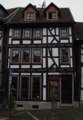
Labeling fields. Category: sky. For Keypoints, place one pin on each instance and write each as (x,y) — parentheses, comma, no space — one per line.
(76,6)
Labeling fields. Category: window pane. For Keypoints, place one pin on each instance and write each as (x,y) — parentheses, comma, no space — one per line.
(64,55)
(37,56)
(14,87)
(15,56)
(36,88)
(26,55)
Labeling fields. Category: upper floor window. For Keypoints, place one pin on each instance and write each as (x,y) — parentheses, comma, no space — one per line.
(29,16)
(37,55)
(63,32)
(27,33)
(37,33)
(26,55)
(52,15)
(16,33)
(64,55)
(15,55)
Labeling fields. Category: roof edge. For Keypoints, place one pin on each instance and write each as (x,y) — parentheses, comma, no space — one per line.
(28,6)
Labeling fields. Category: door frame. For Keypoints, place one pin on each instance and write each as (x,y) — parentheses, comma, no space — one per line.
(72,86)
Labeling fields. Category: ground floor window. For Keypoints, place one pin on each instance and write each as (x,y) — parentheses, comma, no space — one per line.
(26,87)
(14,87)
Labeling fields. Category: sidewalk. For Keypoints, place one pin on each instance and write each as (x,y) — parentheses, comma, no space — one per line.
(67,113)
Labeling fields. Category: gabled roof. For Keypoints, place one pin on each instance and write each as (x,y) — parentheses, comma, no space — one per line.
(65,17)
(29,6)
(3,8)
(53,5)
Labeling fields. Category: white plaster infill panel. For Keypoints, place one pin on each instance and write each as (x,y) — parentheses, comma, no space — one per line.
(15,73)
(10,40)
(63,41)
(56,61)
(56,73)
(9,52)
(70,51)
(25,73)
(65,66)
(16,42)
(57,31)
(44,31)
(70,30)
(10,32)
(71,62)
(25,66)
(50,38)
(37,41)
(44,40)
(44,79)
(44,93)
(54,51)
(36,73)
(14,66)
(70,37)
(26,41)
(44,51)
(36,66)
(44,62)
(50,62)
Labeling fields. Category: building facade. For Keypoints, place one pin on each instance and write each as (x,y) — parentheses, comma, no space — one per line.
(41,51)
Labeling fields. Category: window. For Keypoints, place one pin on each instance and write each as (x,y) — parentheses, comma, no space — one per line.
(15,55)
(26,55)
(0,33)
(24,87)
(36,88)
(37,55)
(64,55)
(16,33)
(27,33)
(14,87)
(29,16)
(64,32)
(37,33)
(52,15)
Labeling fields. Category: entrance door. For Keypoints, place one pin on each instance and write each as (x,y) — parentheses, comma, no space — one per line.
(67,89)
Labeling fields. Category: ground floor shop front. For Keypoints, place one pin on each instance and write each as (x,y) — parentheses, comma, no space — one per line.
(36,90)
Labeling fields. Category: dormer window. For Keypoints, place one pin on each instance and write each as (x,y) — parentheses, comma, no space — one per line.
(52,15)
(29,15)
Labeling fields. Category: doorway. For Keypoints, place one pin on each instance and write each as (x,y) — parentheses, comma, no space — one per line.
(66,88)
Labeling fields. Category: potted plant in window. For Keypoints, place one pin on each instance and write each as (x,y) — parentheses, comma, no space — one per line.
(11,104)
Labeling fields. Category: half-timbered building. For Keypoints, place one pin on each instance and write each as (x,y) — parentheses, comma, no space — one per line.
(40,48)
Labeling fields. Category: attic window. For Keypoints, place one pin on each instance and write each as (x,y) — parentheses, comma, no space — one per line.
(29,16)
(52,15)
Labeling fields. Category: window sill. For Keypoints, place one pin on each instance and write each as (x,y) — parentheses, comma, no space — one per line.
(34,63)
(14,63)
(37,38)
(64,63)
(64,37)
(15,38)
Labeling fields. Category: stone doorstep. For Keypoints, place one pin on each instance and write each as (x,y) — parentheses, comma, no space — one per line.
(66,105)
